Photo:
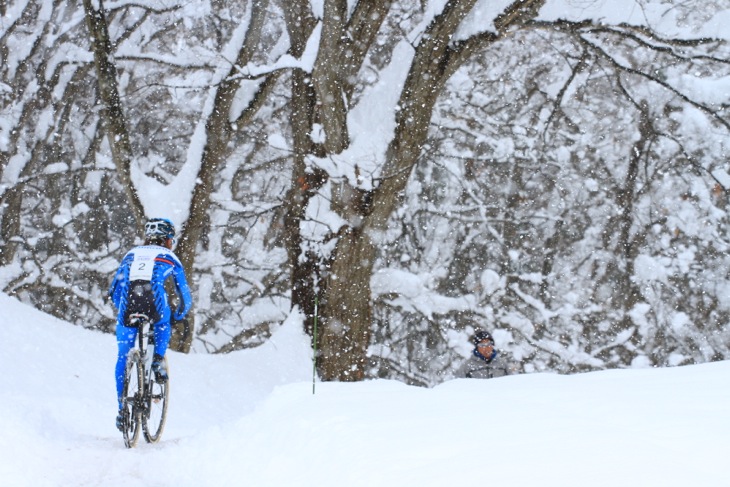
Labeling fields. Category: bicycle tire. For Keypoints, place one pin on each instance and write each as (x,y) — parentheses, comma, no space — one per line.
(132,394)
(156,400)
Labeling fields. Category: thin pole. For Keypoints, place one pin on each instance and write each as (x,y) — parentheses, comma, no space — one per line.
(314,355)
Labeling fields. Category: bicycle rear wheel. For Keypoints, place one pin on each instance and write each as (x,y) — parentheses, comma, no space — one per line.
(156,407)
(132,398)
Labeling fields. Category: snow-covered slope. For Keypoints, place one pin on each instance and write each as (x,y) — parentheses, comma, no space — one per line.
(250,418)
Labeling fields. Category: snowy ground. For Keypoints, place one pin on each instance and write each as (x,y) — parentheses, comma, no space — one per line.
(250,419)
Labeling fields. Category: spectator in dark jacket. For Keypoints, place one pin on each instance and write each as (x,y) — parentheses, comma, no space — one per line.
(485,361)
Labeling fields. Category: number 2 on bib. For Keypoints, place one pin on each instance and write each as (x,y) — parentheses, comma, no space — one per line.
(141,268)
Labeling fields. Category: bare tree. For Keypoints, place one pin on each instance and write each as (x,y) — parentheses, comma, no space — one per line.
(533,167)
(113,114)
(218,125)
(346,313)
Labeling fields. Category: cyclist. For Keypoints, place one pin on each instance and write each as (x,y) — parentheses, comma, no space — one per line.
(138,287)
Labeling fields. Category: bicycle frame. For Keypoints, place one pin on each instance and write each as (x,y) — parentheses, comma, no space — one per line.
(144,329)
(150,397)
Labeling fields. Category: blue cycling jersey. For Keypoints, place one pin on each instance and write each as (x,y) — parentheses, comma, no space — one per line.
(154,264)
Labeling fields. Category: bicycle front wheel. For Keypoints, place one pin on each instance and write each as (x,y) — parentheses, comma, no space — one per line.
(156,407)
(132,394)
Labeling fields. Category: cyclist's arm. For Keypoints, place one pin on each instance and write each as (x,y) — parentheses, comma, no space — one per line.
(183,291)
(119,281)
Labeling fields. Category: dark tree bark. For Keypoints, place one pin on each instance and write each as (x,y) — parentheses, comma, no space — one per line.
(303,271)
(320,97)
(112,113)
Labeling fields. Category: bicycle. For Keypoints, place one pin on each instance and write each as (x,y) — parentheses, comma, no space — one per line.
(144,400)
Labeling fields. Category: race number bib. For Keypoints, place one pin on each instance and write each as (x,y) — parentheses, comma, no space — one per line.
(141,269)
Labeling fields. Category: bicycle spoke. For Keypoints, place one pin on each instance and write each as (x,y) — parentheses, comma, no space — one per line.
(133,383)
(156,409)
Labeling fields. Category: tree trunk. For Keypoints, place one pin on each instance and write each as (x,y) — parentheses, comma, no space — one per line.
(218,130)
(322,97)
(347,310)
(629,292)
(112,113)
(303,266)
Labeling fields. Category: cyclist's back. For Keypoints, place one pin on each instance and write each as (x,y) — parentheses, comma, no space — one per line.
(139,285)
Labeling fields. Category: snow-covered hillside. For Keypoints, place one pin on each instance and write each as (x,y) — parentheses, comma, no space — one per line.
(250,419)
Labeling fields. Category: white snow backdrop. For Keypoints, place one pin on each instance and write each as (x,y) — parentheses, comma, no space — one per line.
(250,419)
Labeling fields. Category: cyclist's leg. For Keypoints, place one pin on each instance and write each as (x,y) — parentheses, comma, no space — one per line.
(163,332)
(126,336)
(161,328)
